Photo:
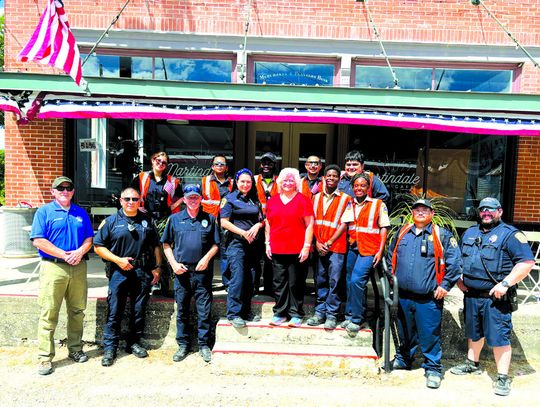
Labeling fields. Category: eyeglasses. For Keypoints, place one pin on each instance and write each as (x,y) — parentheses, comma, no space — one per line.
(68,188)
(490,210)
(219,164)
(313,162)
(192,188)
(130,199)
(161,162)
(421,210)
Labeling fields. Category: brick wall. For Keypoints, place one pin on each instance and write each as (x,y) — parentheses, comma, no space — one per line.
(34,157)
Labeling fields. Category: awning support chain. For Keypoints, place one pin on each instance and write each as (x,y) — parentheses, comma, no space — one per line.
(381,45)
(518,45)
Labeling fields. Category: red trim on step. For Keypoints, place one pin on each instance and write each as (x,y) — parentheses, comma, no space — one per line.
(247,352)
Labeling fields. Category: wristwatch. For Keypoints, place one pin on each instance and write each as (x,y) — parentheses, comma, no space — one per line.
(505,284)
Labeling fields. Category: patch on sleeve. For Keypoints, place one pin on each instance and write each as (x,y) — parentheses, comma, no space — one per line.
(520,237)
(102,224)
(453,242)
(223,202)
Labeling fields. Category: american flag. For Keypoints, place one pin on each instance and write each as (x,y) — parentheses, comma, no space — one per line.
(53,43)
(169,187)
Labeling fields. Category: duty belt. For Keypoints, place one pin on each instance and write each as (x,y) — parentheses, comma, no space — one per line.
(415,296)
(472,293)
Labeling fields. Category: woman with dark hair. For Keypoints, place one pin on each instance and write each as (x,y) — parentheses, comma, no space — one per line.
(368,221)
(241,214)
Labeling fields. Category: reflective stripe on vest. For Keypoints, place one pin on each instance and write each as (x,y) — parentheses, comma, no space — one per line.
(325,229)
(261,190)
(211,196)
(367,234)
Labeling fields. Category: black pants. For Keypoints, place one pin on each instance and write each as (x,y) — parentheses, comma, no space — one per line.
(289,285)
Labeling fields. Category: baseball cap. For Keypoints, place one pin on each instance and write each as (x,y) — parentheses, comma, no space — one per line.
(490,203)
(269,156)
(424,202)
(192,189)
(60,180)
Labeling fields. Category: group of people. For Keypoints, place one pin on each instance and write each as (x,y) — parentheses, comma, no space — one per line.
(274,226)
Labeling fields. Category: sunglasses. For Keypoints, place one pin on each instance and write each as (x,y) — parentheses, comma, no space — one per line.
(130,199)
(219,164)
(313,162)
(490,210)
(192,188)
(160,162)
(68,188)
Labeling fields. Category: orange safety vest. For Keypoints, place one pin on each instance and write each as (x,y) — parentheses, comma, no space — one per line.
(144,185)
(261,190)
(440,265)
(327,224)
(365,230)
(306,190)
(210,194)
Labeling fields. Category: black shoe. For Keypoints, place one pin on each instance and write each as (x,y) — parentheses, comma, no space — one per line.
(316,320)
(137,350)
(206,353)
(180,354)
(108,358)
(79,356)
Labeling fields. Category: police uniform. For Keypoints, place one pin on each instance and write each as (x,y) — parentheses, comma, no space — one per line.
(133,237)
(378,189)
(419,313)
(244,258)
(191,238)
(499,249)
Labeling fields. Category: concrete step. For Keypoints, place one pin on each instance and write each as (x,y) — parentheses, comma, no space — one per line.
(262,332)
(293,359)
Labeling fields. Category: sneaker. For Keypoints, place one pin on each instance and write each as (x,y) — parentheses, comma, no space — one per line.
(433,381)
(330,324)
(108,358)
(253,317)
(180,354)
(277,321)
(398,365)
(295,322)
(155,289)
(501,386)
(352,328)
(79,356)
(45,368)
(206,353)
(345,323)
(468,367)
(315,320)
(137,350)
(237,322)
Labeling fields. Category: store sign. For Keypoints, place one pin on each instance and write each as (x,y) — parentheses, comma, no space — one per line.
(88,144)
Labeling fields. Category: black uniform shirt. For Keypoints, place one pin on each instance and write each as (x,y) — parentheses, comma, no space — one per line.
(128,236)
(191,238)
(242,212)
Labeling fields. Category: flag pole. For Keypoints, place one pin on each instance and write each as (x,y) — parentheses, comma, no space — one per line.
(105,33)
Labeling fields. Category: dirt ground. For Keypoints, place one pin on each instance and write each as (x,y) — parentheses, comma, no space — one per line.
(160,382)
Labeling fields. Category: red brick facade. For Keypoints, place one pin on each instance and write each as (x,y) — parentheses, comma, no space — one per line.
(34,152)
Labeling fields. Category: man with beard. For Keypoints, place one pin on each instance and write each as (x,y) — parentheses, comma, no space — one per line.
(496,257)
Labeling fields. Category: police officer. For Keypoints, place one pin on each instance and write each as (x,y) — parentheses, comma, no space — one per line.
(427,262)
(128,242)
(241,215)
(496,257)
(190,241)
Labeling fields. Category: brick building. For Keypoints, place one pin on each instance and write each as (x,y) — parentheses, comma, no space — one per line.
(295,77)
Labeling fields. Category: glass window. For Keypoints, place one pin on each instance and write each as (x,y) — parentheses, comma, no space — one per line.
(190,145)
(380,77)
(201,70)
(473,80)
(142,67)
(287,73)
(103,66)
(426,78)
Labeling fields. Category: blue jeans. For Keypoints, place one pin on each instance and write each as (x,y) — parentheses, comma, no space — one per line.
(245,266)
(358,268)
(419,324)
(135,285)
(199,286)
(328,277)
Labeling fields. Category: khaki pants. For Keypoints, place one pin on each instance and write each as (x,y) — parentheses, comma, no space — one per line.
(56,282)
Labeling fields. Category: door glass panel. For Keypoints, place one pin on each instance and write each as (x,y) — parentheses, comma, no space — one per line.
(311,144)
(268,142)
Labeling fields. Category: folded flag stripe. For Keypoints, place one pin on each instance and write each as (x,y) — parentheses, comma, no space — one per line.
(53,43)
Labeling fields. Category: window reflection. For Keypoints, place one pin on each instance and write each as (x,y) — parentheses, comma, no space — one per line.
(473,80)
(202,70)
(102,66)
(286,73)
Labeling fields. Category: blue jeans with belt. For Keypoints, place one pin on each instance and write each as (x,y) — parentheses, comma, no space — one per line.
(196,284)
(358,268)
(135,285)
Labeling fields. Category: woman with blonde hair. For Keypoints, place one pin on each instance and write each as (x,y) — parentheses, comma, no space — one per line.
(288,237)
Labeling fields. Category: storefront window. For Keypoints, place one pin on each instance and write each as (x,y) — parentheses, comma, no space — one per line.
(190,145)
(293,73)
(462,168)
(201,70)
(102,66)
